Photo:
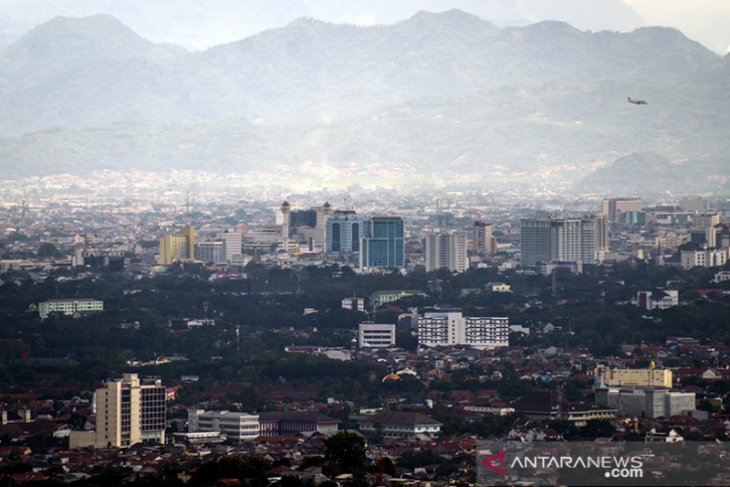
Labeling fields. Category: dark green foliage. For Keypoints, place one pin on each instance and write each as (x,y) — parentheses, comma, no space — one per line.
(249,469)
(345,453)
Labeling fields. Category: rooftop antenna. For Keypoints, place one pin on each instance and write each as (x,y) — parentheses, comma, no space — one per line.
(187,203)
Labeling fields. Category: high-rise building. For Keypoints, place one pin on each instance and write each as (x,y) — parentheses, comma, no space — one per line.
(449,328)
(303,218)
(285,209)
(343,232)
(562,240)
(446,251)
(322,213)
(382,243)
(189,233)
(233,244)
(602,243)
(128,411)
(611,208)
(483,241)
(174,248)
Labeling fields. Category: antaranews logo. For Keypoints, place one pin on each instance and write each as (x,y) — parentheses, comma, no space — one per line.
(489,462)
(594,463)
(613,466)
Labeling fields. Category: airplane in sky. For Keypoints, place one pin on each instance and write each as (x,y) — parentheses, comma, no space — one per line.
(637,102)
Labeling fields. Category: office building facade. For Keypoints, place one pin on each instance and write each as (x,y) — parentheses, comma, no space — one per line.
(175,248)
(562,240)
(128,411)
(484,241)
(343,232)
(647,403)
(612,208)
(233,245)
(375,335)
(650,377)
(236,426)
(211,252)
(383,243)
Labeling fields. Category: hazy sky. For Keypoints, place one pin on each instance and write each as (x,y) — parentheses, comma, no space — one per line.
(197,24)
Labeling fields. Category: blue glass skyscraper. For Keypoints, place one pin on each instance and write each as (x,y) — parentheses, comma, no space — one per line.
(382,243)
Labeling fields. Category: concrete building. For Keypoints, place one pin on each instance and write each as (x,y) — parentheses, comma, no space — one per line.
(563,240)
(647,403)
(354,303)
(233,245)
(550,406)
(607,377)
(612,208)
(450,328)
(707,258)
(261,237)
(446,251)
(211,251)
(285,209)
(375,335)
(69,307)
(234,425)
(658,299)
(343,230)
(128,411)
(322,213)
(382,243)
(174,248)
(498,287)
(290,423)
(483,240)
(400,424)
(380,298)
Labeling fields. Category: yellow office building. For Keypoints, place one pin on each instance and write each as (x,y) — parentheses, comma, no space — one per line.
(174,248)
(651,377)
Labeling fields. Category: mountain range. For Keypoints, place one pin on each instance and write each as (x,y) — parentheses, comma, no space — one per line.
(442,94)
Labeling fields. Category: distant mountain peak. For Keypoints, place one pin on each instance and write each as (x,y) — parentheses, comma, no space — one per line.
(83,25)
(453,18)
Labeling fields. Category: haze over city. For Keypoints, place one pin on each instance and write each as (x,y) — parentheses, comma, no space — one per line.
(397,243)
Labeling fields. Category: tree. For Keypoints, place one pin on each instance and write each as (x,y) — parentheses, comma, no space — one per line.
(345,452)
(47,249)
